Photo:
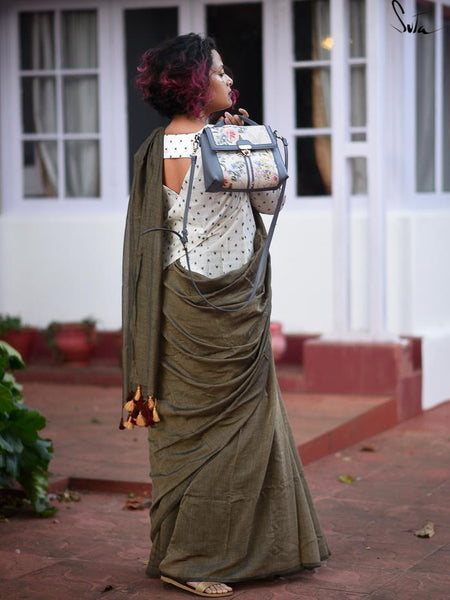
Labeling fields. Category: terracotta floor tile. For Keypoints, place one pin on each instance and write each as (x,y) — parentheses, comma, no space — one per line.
(436,562)
(380,554)
(370,524)
(415,586)
(362,580)
(16,562)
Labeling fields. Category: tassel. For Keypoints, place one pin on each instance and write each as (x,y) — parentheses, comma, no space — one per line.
(138,394)
(129,406)
(155,415)
(129,424)
(151,403)
(140,421)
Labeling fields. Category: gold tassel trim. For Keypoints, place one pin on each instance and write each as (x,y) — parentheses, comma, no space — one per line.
(141,421)
(141,413)
(129,406)
(155,414)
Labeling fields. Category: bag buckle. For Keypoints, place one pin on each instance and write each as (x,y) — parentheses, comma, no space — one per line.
(245,149)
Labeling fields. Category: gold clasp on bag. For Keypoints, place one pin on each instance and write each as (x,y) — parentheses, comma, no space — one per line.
(245,149)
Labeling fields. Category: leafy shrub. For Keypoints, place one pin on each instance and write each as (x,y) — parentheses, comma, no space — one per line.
(24,455)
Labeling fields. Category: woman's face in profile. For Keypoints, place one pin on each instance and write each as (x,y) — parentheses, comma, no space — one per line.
(219,86)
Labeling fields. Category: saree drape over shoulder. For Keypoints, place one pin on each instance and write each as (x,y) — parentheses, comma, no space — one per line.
(230,501)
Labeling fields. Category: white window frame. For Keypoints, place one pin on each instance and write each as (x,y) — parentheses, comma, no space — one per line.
(112,189)
(439,199)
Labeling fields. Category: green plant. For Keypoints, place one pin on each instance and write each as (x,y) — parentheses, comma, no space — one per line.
(24,455)
(8,323)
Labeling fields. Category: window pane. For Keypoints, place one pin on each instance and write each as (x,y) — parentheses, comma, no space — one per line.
(37,40)
(80,104)
(359,175)
(425,99)
(79,39)
(446,99)
(314,166)
(40,170)
(312,34)
(144,28)
(357,40)
(358,96)
(82,169)
(38,105)
(313,100)
(358,137)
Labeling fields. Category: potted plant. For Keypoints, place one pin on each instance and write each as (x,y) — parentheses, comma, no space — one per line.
(24,455)
(17,335)
(72,343)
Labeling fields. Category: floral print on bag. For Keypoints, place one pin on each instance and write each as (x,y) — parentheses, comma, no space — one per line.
(237,170)
(258,170)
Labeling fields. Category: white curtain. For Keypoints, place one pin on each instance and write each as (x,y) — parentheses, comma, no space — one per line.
(43,98)
(358,96)
(425,98)
(80,102)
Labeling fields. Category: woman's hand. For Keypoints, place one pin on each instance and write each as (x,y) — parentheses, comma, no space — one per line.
(235,119)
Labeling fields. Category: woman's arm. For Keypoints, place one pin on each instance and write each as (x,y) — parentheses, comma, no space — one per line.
(266,202)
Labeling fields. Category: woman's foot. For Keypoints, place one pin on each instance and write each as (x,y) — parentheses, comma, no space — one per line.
(213,589)
(207,589)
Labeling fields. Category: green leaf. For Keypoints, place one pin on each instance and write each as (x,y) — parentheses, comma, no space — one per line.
(6,399)
(25,423)
(14,359)
(24,455)
(9,381)
(12,465)
(35,485)
(10,443)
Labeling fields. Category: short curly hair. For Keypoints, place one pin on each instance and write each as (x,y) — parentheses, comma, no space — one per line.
(174,76)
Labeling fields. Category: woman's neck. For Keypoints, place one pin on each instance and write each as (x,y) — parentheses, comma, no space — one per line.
(185,124)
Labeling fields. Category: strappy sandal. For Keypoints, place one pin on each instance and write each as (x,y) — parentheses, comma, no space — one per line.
(199,589)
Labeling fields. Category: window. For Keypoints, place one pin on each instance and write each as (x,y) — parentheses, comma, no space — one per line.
(433,98)
(59,81)
(312,65)
(312,72)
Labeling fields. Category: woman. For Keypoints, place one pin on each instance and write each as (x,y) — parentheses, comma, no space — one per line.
(230,501)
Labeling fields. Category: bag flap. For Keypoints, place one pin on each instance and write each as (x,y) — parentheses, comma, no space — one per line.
(230,137)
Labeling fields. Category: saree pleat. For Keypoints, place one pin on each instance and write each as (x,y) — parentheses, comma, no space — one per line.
(230,501)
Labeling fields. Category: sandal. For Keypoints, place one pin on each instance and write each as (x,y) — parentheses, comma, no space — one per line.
(199,589)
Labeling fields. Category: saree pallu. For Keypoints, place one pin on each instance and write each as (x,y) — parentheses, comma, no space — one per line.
(230,501)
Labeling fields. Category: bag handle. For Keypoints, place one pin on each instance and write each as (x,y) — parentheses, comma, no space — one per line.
(184,238)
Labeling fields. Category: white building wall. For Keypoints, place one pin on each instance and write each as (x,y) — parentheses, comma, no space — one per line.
(60,269)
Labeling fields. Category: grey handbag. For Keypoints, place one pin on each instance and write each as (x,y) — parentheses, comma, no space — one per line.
(242,158)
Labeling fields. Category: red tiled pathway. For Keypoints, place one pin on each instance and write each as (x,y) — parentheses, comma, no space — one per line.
(93,544)
(83,423)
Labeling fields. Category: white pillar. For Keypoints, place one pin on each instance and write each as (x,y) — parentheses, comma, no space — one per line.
(376,90)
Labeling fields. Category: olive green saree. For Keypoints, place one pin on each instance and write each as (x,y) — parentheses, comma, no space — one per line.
(230,501)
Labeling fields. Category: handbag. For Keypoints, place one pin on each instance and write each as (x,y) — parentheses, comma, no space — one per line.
(241,158)
(237,158)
